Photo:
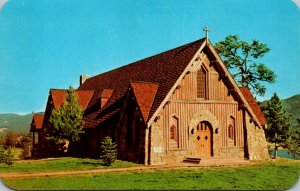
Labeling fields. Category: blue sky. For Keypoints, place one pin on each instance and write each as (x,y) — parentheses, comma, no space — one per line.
(50,43)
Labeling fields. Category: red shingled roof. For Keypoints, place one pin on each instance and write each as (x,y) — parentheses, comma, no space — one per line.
(254,105)
(58,97)
(144,94)
(163,69)
(37,121)
(106,93)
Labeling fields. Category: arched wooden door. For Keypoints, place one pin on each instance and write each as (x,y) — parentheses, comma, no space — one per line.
(204,139)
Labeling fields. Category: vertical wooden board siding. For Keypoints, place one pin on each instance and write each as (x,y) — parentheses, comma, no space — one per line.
(185,111)
(187,89)
(186,104)
(241,134)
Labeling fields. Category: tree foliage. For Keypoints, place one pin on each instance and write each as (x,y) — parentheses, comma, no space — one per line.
(10,139)
(6,155)
(239,57)
(108,151)
(293,141)
(278,123)
(66,122)
(2,154)
(9,157)
(26,146)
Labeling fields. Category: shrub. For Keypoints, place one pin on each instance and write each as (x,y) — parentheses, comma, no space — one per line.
(9,157)
(108,151)
(6,156)
(2,154)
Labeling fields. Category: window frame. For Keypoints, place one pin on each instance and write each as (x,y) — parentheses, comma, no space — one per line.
(204,83)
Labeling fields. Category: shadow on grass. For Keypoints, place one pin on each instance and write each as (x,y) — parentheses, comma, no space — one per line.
(91,163)
(95,163)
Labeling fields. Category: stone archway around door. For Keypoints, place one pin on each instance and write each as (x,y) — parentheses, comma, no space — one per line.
(203,117)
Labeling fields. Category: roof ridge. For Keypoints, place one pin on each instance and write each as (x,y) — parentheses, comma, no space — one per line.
(55,89)
(161,70)
(143,59)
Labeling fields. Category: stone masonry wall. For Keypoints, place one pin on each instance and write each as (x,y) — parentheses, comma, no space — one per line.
(257,144)
(157,146)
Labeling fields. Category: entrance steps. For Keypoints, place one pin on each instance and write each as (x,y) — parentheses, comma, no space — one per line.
(192,160)
(210,161)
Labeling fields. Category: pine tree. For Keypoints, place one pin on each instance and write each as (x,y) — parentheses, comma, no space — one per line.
(108,151)
(66,122)
(278,123)
(293,141)
(9,157)
(2,154)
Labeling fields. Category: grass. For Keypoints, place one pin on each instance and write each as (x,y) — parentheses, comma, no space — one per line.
(60,164)
(275,175)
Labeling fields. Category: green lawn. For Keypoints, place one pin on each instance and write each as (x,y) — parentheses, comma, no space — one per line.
(60,164)
(278,175)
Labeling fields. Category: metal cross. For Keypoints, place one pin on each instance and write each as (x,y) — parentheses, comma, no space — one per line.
(206,31)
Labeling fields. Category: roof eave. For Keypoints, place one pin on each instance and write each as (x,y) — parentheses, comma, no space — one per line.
(151,119)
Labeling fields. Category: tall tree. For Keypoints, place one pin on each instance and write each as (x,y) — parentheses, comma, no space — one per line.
(278,123)
(66,122)
(240,58)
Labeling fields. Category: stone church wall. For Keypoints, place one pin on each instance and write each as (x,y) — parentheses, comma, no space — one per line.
(257,144)
(157,148)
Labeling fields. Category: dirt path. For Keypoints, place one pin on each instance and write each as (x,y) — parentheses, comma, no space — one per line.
(127,169)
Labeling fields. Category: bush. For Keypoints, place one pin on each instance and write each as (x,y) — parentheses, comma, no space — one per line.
(9,157)
(108,151)
(6,156)
(2,154)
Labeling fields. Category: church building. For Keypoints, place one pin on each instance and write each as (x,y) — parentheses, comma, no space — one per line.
(178,104)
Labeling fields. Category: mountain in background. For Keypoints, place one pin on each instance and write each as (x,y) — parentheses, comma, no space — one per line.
(292,106)
(21,123)
(15,122)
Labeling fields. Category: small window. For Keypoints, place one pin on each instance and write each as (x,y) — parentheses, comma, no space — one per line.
(201,83)
(230,132)
(173,132)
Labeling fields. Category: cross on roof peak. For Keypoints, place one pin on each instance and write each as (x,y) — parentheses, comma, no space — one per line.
(206,29)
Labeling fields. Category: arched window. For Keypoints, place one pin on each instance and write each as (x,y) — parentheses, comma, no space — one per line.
(201,83)
(173,132)
(231,131)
